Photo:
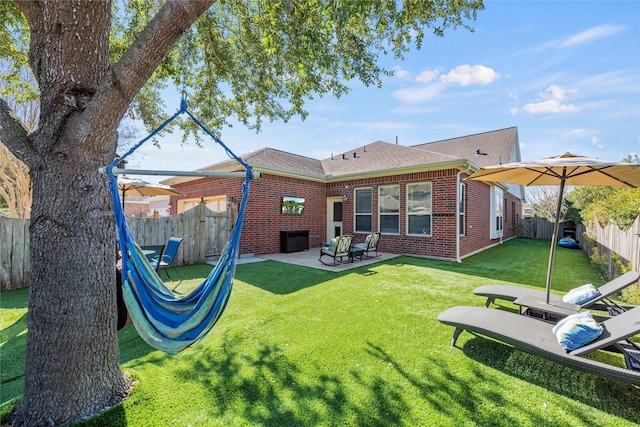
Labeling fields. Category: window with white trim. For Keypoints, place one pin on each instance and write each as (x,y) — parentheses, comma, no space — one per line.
(497,212)
(419,209)
(363,210)
(389,209)
(462,206)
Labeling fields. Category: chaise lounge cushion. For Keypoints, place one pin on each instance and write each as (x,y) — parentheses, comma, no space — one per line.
(581,295)
(577,330)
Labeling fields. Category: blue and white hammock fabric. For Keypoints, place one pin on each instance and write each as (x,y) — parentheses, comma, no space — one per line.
(168,321)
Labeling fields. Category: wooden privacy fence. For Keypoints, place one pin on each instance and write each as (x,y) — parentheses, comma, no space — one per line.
(625,243)
(204,233)
(541,229)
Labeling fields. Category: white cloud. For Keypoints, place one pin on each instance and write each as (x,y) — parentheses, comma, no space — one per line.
(401,73)
(548,106)
(583,37)
(555,92)
(552,102)
(591,34)
(427,76)
(466,75)
(415,95)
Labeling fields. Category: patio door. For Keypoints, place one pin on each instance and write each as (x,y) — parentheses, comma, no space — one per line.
(334,217)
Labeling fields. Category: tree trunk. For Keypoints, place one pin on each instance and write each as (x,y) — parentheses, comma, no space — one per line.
(72,360)
(72,367)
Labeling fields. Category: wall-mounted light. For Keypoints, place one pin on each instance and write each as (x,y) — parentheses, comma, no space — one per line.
(345,197)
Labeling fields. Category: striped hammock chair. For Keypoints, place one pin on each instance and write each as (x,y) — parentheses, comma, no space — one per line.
(167,321)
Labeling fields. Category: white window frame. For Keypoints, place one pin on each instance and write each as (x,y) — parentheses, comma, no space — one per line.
(497,212)
(427,211)
(462,208)
(356,213)
(381,196)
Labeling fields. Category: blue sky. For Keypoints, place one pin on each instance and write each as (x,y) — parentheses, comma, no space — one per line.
(565,73)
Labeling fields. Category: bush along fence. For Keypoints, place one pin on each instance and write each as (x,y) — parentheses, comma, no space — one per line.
(203,230)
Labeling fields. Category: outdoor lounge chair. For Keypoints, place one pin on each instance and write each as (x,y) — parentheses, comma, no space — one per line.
(169,255)
(338,249)
(536,337)
(601,302)
(370,244)
(153,254)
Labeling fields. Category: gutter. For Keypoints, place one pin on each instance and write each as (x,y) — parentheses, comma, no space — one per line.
(469,168)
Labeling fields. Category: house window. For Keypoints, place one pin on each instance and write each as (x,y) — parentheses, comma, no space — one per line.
(419,209)
(462,205)
(497,214)
(363,210)
(389,209)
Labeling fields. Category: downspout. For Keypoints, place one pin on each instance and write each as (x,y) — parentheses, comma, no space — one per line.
(460,172)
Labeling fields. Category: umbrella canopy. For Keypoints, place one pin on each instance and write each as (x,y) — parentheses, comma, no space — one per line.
(565,169)
(139,187)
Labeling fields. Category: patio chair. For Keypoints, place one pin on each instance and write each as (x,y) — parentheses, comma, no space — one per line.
(370,244)
(532,336)
(338,248)
(601,302)
(153,254)
(170,255)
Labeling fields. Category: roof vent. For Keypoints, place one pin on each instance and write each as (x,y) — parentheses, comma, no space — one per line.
(480,153)
(344,157)
(355,155)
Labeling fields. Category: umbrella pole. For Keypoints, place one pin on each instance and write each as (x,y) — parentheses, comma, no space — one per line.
(554,240)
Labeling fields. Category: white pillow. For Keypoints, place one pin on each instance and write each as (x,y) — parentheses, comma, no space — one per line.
(581,295)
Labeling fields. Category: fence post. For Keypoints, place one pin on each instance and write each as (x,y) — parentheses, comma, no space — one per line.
(202,240)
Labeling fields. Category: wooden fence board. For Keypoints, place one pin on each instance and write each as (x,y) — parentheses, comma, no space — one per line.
(198,227)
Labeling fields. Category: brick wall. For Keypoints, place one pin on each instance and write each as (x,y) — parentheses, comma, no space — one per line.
(264,219)
(263,216)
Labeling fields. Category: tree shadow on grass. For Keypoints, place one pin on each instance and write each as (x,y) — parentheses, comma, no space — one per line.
(266,387)
(281,278)
(454,397)
(609,396)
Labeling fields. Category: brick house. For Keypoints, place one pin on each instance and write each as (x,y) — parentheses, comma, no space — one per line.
(416,197)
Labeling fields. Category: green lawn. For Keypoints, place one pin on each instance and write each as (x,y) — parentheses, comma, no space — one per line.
(304,347)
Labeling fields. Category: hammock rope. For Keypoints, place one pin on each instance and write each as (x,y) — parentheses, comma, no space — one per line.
(168,321)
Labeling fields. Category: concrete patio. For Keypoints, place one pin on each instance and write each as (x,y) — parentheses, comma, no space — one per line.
(311,258)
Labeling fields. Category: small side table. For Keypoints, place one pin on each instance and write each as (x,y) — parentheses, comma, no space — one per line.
(538,307)
(355,252)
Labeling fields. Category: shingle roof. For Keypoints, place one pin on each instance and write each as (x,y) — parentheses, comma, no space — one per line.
(281,160)
(380,156)
(483,149)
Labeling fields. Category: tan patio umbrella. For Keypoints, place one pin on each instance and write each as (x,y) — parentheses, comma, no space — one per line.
(139,187)
(565,169)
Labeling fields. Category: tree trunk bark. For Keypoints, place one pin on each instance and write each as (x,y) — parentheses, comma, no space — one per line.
(72,367)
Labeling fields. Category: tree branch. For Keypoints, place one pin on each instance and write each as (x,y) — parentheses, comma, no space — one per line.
(138,63)
(14,135)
